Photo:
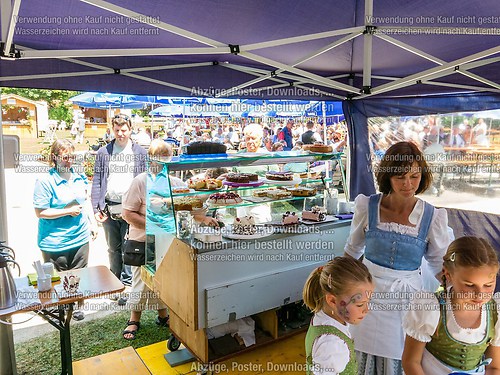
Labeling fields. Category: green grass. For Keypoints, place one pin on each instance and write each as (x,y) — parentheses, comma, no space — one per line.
(42,356)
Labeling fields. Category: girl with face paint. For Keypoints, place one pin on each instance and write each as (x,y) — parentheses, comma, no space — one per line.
(456,330)
(338,294)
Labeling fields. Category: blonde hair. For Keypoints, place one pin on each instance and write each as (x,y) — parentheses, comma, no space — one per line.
(337,277)
(159,148)
(59,147)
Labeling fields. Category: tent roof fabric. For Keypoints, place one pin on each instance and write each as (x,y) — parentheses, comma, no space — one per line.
(296,49)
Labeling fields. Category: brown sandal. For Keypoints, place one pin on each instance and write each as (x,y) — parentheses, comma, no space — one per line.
(129,332)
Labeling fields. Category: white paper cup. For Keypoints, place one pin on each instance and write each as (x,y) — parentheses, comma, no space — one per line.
(44,283)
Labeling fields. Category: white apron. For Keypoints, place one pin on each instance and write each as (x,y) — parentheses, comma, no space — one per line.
(380,333)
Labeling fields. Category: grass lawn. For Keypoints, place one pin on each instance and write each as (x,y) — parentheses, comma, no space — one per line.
(34,145)
(42,356)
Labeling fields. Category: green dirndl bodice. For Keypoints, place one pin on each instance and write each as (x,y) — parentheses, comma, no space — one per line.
(316,331)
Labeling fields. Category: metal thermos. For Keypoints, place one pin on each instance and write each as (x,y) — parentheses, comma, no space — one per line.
(8,288)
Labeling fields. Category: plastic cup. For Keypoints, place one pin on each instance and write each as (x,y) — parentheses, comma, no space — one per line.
(48,268)
(44,283)
(344,207)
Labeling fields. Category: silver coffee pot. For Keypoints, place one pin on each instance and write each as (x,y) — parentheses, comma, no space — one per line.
(8,290)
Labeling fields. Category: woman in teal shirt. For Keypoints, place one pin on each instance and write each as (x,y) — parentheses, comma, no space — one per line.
(59,199)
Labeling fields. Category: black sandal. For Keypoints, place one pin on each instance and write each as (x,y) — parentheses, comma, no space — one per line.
(162,322)
(129,332)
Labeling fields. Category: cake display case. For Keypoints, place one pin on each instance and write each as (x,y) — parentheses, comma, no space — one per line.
(253,266)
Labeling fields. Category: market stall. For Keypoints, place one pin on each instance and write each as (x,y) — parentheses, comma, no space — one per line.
(210,281)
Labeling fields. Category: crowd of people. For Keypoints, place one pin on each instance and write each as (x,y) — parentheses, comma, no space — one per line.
(429,132)
(281,134)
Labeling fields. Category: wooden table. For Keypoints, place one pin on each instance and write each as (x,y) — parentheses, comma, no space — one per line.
(94,282)
(469,160)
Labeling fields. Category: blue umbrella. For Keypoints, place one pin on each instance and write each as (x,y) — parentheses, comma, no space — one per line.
(491,114)
(176,110)
(331,109)
(178,100)
(105,100)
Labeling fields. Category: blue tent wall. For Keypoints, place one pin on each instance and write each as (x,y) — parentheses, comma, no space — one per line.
(357,113)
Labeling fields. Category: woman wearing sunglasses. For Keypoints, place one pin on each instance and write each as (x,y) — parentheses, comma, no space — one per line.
(64,228)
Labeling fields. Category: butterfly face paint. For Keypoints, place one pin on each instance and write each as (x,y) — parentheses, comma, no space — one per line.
(353,307)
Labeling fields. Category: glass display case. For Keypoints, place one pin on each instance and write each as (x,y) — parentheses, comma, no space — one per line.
(255,261)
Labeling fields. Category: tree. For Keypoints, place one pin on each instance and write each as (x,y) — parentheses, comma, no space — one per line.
(57,100)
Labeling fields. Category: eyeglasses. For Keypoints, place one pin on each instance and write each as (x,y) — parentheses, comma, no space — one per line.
(124,117)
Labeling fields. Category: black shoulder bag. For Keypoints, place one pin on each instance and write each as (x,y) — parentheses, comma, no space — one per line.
(134,253)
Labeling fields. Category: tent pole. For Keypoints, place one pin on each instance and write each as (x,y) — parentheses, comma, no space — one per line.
(298,62)
(436,60)
(319,80)
(323,111)
(367,47)
(160,25)
(489,131)
(434,73)
(82,53)
(8,36)
(302,38)
(328,163)
(7,354)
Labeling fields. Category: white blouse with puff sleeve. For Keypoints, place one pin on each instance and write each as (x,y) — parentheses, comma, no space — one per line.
(422,318)
(330,352)
(438,236)
(421,321)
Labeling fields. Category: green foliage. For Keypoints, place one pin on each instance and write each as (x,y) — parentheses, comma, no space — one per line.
(59,106)
(144,113)
(62,113)
(88,165)
(45,152)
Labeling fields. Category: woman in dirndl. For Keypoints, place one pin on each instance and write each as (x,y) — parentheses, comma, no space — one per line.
(394,231)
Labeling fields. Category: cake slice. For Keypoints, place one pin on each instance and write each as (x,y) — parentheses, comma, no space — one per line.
(226,198)
(244,226)
(289,218)
(279,176)
(317,213)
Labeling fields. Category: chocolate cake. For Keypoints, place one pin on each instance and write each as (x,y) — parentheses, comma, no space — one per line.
(279,176)
(252,177)
(242,178)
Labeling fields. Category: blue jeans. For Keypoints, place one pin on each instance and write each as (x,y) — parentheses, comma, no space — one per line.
(115,232)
